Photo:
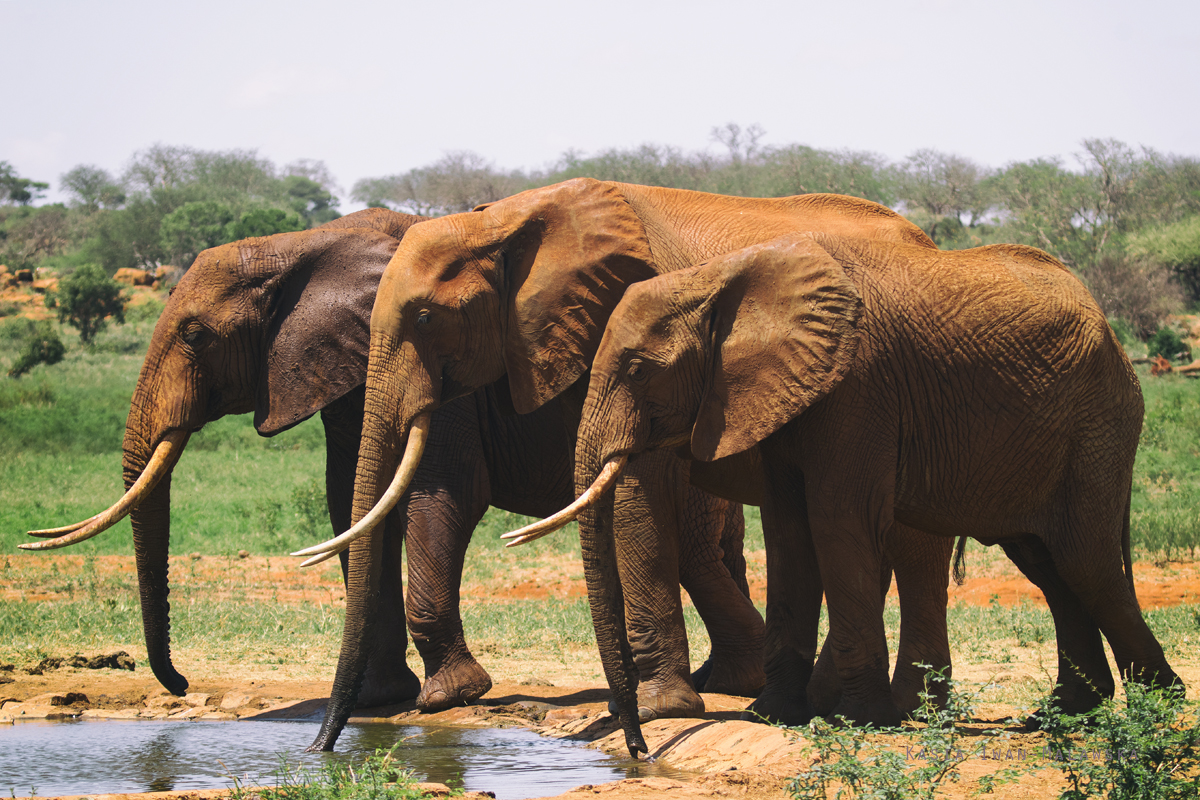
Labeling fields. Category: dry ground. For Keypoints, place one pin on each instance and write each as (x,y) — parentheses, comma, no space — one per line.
(729,758)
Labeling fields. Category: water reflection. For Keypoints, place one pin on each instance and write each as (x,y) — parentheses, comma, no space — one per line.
(110,756)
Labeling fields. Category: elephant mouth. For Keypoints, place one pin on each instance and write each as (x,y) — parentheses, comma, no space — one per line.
(162,461)
(604,482)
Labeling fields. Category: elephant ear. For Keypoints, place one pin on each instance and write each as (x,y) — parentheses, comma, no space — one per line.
(319,313)
(784,330)
(576,246)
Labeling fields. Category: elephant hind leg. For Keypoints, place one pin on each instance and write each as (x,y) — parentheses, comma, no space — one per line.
(1089,556)
(1084,679)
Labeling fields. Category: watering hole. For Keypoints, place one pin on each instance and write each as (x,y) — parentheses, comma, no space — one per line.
(117,756)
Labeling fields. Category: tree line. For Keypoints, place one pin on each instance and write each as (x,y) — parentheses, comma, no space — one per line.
(1125,219)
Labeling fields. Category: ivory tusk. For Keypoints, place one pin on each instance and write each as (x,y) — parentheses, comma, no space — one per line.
(52,532)
(413,451)
(161,463)
(604,481)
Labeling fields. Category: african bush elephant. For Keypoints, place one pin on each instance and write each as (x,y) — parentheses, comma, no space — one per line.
(279,325)
(975,392)
(516,294)
(276,325)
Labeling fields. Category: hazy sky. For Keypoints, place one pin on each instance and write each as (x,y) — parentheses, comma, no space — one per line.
(392,86)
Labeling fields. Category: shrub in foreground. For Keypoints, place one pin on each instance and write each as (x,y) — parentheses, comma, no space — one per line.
(379,776)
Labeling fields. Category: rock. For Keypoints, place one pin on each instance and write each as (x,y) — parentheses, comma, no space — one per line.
(58,699)
(560,715)
(196,700)
(217,715)
(133,277)
(24,275)
(236,700)
(163,701)
(44,285)
(243,553)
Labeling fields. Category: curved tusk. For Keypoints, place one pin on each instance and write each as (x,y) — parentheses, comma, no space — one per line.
(161,463)
(604,481)
(52,532)
(413,450)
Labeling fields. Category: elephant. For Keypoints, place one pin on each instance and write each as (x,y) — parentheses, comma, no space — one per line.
(516,295)
(978,392)
(276,325)
(279,325)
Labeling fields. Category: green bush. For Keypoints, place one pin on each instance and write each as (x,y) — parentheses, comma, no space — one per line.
(849,764)
(42,346)
(311,508)
(1148,749)
(86,299)
(1169,344)
(379,776)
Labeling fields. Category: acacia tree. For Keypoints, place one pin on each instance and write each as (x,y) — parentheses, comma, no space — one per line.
(457,182)
(86,299)
(17,190)
(945,192)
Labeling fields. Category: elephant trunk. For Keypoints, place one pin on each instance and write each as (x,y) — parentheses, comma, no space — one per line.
(598,544)
(377,456)
(151,522)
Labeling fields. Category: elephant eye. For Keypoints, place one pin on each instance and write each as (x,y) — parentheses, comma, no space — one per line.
(636,370)
(423,317)
(193,332)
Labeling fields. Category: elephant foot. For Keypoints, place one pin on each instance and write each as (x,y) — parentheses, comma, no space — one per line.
(881,712)
(745,679)
(776,706)
(909,684)
(454,686)
(700,676)
(656,703)
(387,687)
(825,686)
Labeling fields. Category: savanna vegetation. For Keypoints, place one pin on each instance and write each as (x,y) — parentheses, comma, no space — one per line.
(1126,220)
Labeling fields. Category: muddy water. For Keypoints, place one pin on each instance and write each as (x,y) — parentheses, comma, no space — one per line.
(111,756)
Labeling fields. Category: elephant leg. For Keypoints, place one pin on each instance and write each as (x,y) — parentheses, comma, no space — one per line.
(711,525)
(794,589)
(922,565)
(1084,679)
(388,678)
(445,504)
(646,523)
(825,686)
(1090,552)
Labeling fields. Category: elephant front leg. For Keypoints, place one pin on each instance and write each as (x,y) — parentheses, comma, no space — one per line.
(435,563)
(922,565)
(388,679)
(646,523)
(713,571)
(794,591)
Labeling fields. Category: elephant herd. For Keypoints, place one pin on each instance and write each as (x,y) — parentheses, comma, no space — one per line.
(667,356)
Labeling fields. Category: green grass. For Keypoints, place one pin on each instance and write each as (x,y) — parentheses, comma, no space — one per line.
(60,459)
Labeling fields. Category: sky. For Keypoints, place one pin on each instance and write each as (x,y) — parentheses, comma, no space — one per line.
(390,86)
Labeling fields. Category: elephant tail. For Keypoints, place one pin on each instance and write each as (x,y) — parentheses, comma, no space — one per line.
(960,561)
(1126,555)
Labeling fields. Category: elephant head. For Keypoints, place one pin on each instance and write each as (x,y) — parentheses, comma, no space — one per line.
(275,325)
(710,361)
